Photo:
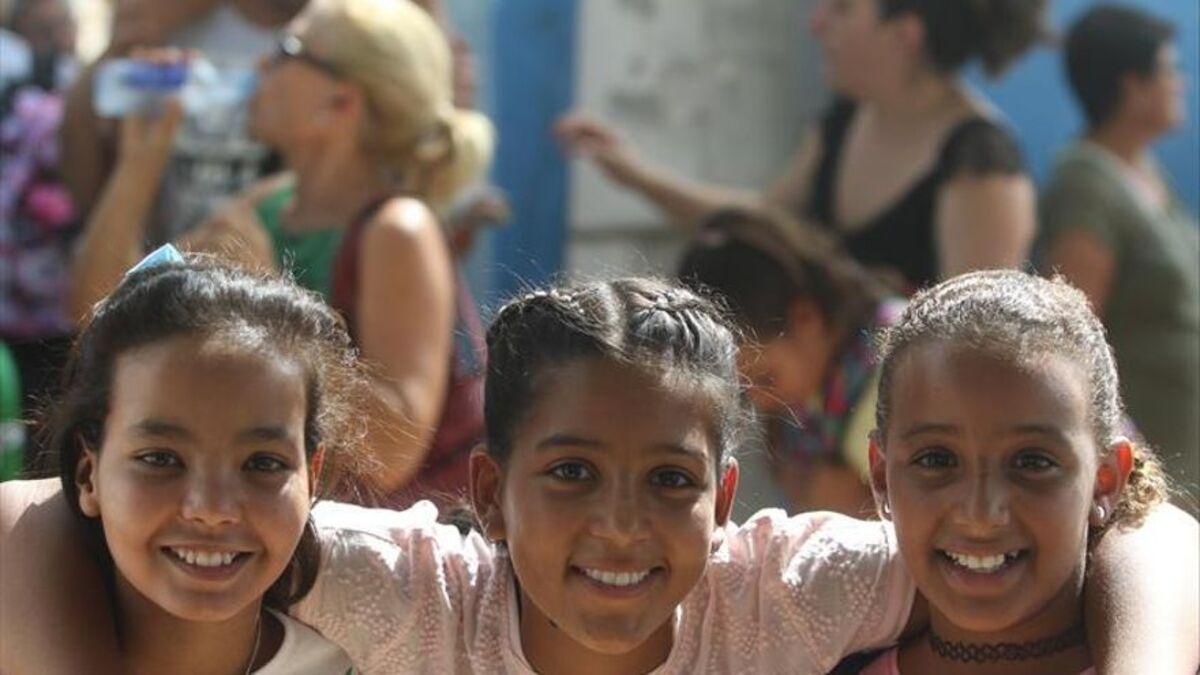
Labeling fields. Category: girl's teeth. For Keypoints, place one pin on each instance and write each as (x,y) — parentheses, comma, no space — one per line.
(616,578)
(202,558)
(985,564)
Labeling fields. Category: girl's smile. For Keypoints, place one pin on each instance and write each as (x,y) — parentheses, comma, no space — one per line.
(980,449)
(607,505)
(201,483)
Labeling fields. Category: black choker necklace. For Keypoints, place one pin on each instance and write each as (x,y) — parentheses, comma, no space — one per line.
(970,652)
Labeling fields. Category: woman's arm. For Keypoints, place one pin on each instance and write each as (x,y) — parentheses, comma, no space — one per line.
(112,240)
(1142,597)
(405,325)
(685,202)
(55,614)
(985,221)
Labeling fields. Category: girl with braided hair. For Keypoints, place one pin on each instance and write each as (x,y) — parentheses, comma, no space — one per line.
(604,543)
(999,458)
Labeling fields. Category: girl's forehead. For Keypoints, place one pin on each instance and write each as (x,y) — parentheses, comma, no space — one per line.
(620,405)
(952,382)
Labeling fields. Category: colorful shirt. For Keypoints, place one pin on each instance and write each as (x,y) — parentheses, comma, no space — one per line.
(834,426)
(402,593)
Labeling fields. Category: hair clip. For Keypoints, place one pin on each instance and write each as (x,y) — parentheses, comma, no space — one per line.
(160,256)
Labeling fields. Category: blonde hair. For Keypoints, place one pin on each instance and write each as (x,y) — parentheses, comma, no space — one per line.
(401,59)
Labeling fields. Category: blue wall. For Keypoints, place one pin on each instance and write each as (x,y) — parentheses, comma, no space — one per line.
(1036,97)
(534,72)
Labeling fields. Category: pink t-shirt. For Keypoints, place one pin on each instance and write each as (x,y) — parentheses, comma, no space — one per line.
(401,593)
(886,664)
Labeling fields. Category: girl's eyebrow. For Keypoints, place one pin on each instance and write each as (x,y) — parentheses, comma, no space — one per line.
(159,428)
(929,428)
(572,441)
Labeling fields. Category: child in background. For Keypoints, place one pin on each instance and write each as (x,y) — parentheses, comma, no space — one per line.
(999,459)
(809,313)
(605,546)
(198,406)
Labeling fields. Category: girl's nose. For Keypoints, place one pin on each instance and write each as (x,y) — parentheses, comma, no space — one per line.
(211,500)
(985,507)
(620,515)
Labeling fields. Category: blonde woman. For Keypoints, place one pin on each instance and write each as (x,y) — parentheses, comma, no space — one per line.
(357,100)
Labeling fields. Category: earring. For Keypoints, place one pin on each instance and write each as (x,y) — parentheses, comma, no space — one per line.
(886,509)
(1098,514)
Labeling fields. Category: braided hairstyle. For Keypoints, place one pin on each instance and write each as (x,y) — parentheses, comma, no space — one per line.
(640,323)
(1018,315)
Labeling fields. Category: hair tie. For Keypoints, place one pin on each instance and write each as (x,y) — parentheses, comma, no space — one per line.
(162,255)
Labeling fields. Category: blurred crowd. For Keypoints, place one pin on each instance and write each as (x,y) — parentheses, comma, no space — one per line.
(339,140)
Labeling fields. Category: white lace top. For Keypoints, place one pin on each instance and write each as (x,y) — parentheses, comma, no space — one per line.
(402,593)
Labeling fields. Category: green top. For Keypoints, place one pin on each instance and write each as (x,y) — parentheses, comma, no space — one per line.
(309,256)
(1152,313)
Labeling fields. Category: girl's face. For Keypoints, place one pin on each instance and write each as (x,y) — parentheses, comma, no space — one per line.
(989,469)
(786,371)
(201,484)
(607,504)
(859,50)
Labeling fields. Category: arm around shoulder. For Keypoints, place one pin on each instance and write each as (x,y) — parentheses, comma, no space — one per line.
(54,610)
(1142,596)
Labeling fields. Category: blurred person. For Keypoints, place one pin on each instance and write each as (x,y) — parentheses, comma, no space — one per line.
(212,158)
(45,53)
(808,314)
(1115,227)
(913,171)
(37,218)
(357,100)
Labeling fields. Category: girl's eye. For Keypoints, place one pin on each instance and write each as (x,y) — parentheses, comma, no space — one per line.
(935,459)
(571,472)
(1034,461)
(266,463)
(672,478)
(159,459)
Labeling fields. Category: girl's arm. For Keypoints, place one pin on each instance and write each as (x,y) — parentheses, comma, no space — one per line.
(405,325)
(56,616)
(1142,597)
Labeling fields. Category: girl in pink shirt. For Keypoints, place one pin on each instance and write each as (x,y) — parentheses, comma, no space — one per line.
(604,542)
(999,459)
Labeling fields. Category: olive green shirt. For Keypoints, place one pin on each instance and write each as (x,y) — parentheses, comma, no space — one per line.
(1152,313)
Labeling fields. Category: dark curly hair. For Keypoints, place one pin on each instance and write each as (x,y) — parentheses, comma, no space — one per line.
(1021,315)
(645,324)
(996,32)
(206,298)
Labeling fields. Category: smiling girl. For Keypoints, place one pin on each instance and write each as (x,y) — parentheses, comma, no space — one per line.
(198,405)
(999,459)
(603,498)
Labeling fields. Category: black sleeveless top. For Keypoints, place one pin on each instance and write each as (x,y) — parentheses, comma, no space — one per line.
(902,236)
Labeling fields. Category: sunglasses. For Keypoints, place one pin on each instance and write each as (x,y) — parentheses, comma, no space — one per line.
(290,48)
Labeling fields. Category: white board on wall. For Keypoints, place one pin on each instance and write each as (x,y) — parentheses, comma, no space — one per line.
(716,90)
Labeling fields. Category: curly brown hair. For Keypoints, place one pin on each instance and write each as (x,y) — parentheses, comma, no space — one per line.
(997,32)
(1018,314)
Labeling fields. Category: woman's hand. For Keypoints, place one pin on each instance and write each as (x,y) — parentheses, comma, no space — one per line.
(594,140)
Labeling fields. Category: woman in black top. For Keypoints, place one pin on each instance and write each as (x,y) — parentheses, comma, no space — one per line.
(908,167)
